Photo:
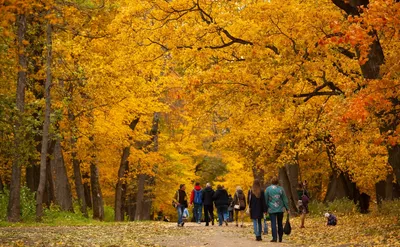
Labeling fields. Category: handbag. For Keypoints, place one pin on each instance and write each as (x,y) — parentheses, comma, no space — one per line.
(287,229)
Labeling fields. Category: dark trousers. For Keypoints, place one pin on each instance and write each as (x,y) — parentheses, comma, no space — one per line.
(208,213)
(276,218)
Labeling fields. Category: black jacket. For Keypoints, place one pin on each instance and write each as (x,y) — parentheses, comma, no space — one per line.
(208,194)
(221,198)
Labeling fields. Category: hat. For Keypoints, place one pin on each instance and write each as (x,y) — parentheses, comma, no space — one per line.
(327,215)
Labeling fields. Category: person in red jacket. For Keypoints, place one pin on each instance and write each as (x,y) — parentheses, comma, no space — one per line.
(196,200)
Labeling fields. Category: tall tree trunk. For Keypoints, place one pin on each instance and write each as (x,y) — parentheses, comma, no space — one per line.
(46,127)
(258,173)
(144,200)
(78,182)
(121,184)
(98,205)
(14,203)
(62,188)
(49,194)
(80,192)
(140,197)
(119,214)
(288,178)
(87,189)
(1,186)
(340,185)
(32,173)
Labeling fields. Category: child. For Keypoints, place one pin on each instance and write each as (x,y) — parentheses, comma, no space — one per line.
(332,221)
(266,218)
(185,215)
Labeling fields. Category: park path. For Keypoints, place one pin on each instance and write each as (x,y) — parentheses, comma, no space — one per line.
(141,234)
(194,235)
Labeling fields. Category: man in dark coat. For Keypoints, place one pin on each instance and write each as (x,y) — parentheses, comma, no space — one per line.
(221,201)
(208,194)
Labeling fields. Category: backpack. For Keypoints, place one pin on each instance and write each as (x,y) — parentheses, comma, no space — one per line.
(304,199)
(241,200)
(197,197)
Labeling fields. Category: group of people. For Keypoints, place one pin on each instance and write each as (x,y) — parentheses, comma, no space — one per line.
(258,204)
(206,199)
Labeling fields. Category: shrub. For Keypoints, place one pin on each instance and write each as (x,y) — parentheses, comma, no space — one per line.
(3,205)
(108,213)
(28,204)
(341,207)
(390,208)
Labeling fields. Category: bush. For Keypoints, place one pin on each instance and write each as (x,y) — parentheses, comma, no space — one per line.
(28,204)
(340,207)
(3,205)
(390,208)
(54,215)
(108,213)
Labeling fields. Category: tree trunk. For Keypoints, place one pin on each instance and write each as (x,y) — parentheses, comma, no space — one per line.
(1,186)
(339,187)
(14,203)
(140,197)
(49,195)
(62,188)
(46,127)
(98,205)
(121,184)
(258,173)
(394,161)
(78,183)
(87,189)
(131,206)
(32,174)
(146,183)
(384,189)
(288,178)
(119,215)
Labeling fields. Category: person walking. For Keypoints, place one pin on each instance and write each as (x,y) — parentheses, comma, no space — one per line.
(239,205)
(196,199)
(276,201)
(221,203)
(180,203)
(302,203)
(207,198)
(229,214)
(257,207)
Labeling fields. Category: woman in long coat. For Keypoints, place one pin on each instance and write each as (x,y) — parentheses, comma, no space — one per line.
(256,201)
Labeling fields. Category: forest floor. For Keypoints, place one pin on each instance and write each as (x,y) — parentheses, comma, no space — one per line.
(355,230)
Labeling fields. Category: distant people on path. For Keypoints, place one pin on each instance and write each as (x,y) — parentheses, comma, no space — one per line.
(239,205)
(256,201)
(332,220)
(302,203)
(221,203)
(196,199)
(276,201)
(207,198)
(229,215)
(180,203)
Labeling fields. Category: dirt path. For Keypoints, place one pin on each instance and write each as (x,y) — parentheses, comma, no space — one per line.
(217,236)
(134,234)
